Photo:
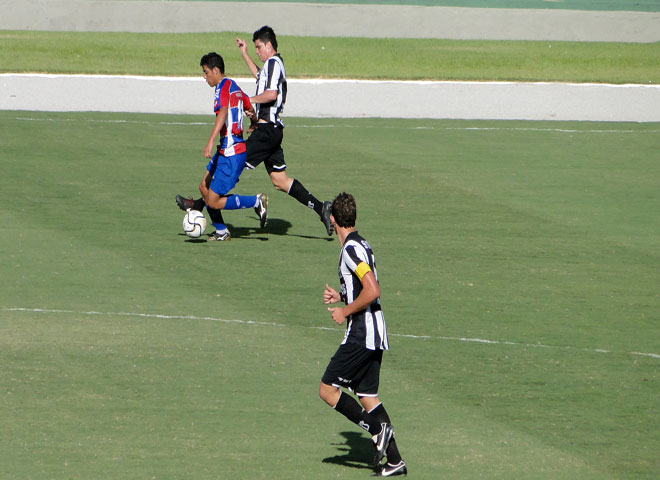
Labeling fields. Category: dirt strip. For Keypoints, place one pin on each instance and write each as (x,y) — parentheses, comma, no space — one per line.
(308,19)
(361,99)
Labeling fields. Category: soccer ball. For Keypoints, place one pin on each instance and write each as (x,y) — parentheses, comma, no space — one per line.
(194,223)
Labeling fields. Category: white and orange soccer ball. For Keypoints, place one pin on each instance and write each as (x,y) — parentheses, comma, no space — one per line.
(194,223)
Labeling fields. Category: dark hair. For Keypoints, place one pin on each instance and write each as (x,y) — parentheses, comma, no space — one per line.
(213,60)
(266,34)
(344,210)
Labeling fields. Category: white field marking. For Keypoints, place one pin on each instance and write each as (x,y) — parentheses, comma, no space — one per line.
(273,324)
(143,315)
(485,129)
(325,81)
(93,120)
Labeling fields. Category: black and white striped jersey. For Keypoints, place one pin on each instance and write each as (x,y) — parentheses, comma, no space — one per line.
(272,77)
(366,327)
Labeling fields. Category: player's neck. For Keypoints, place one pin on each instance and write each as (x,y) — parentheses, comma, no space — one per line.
(343,232)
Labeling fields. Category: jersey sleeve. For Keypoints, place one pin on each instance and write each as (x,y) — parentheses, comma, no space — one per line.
(362,269)
(274,74)
(247,104)
(356,261)
(223,97)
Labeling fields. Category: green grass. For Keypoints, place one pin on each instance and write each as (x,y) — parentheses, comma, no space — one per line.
(541,236)
(307,57)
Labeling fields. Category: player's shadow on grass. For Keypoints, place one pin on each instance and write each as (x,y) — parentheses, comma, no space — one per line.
(275,226)
(356,452)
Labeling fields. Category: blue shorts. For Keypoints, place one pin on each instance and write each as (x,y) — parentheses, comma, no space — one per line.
(224,172)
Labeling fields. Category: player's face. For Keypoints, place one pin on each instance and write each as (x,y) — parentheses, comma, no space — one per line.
(264,50)
(211,75)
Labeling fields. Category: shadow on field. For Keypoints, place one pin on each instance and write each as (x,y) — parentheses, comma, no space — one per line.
(275,226)
(357,452)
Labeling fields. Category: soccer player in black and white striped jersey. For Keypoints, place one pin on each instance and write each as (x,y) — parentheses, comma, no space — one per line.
(265,142)
(356,364)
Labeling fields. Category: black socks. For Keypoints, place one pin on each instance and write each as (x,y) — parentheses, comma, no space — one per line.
(393,455)
(351,409)
(199,204)
(301,194)
(216,216)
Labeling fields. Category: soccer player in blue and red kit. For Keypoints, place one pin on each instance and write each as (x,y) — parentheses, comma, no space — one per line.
(228,161)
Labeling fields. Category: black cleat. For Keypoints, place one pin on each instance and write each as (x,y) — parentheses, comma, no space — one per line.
(382,441)
(389,470)
(262,209)
(326,210)
(184,203)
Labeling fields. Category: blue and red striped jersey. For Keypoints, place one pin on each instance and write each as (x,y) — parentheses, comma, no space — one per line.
(229,94)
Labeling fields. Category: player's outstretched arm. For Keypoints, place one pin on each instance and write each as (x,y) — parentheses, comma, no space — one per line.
(240,43)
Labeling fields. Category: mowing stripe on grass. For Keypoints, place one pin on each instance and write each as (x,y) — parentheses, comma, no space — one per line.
(380,127)
(273,324)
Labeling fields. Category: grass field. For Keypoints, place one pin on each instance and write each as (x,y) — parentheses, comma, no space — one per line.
(520,273)
(307,57)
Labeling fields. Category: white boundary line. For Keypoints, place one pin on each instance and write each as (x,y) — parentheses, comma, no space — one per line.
(273,324)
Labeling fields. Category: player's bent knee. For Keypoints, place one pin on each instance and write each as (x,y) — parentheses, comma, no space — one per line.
(279,185)
(328,394)
(281,181)
(216,202)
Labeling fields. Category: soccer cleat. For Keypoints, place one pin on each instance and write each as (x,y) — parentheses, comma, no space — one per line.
(389,470)
(382,441)
(184,203)
(219,237)
(262,209)
(326,210)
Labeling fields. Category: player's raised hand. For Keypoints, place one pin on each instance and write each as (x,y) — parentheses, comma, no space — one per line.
(240,43)
(330,295)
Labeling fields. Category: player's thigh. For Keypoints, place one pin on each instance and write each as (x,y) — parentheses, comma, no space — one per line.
(348,367)
(275,163)
(369,377)
(226,173)
(264,145)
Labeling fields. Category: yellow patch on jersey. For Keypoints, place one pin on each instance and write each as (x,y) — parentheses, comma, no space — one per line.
(362,269)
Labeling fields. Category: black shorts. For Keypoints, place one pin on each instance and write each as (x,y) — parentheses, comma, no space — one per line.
(355,367)
(265,145)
